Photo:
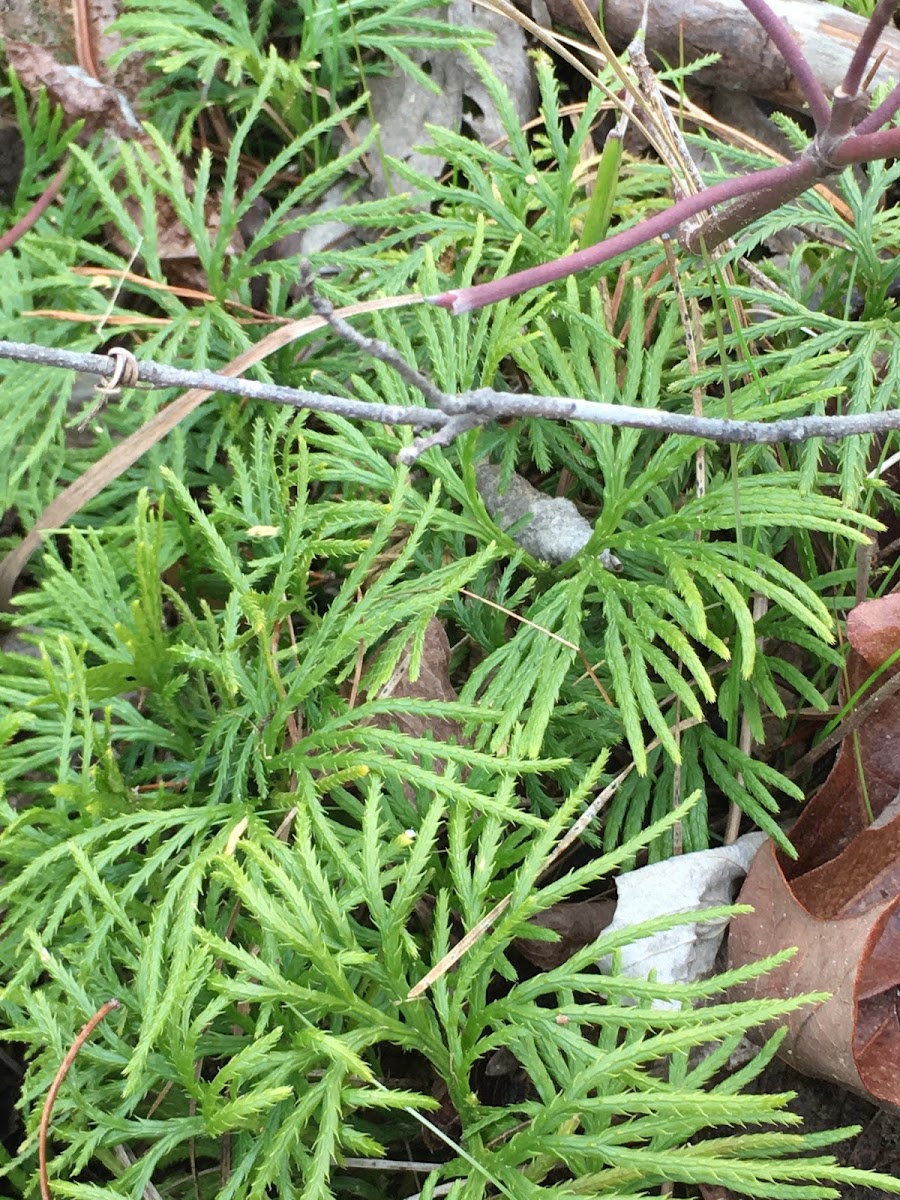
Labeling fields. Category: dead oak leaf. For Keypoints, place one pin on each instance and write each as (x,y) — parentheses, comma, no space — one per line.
(432,682)
(839,901)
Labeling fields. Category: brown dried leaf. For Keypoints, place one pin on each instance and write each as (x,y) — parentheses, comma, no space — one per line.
(578,923)
(431,683)
(176,248)
(101,106)
(12,159)
(839,902)
(106,108)
(853,1038)
(838,812)
(50,25)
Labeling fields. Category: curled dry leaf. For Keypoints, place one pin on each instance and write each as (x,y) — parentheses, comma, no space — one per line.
(78,94)
(839,902)
(431,683)
(50,24)
(106,109)
(577,923)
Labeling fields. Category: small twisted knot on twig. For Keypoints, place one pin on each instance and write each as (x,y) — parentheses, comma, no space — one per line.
(125,373)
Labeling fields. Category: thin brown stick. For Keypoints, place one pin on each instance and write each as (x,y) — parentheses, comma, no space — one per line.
(117,276)
(63,1071)
(589,670)
(852,723)
(84,51)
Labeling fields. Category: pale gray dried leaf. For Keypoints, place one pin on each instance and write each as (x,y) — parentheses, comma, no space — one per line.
(509,62)
(686,883)
(402,107)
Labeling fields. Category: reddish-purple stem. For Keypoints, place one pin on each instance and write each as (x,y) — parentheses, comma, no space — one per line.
(780,33)
(42,203)
(879,116)
(875,27)
(776,180)
(866,147)
(71,1055)
(721,225)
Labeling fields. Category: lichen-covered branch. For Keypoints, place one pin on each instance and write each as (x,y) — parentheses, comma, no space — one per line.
(466,410)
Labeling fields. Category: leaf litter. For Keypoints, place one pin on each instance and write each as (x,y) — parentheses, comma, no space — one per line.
(839,901)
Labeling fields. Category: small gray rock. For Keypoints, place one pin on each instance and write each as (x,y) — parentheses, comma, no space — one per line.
(556,532)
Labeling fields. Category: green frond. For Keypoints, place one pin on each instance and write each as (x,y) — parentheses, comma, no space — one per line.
(216,809)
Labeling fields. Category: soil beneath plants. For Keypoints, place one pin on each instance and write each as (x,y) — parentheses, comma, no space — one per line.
(825,1106)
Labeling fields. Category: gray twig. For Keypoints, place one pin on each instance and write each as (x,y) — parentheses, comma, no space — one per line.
(159,376)
(444,437)
(374,347)
(469,409)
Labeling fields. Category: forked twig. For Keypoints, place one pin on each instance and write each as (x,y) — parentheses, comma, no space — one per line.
(844,135)
(373,347)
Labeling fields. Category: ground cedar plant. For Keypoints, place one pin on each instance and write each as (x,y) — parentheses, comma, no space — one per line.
(214,810)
